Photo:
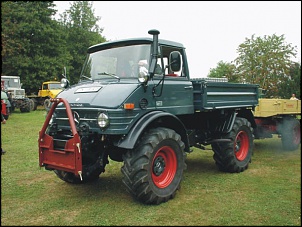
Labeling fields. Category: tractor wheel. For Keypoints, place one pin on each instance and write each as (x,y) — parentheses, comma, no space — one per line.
(154,169)
(35,104)
(47,104)
(291,134)
(26,106)
(73,179)
(236,155)
(32,105)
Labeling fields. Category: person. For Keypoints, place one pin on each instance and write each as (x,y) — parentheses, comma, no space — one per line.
(5,98)
(293,97)
(3,121)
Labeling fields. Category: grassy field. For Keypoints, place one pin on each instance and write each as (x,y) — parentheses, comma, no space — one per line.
(268,193)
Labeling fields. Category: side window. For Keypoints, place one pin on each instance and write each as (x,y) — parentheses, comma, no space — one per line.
(166,53)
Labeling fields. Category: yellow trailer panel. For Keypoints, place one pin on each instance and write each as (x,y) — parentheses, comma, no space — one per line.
(274,107)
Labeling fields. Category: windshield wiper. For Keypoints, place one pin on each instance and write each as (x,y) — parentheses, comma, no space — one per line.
(109,74)
(87,77)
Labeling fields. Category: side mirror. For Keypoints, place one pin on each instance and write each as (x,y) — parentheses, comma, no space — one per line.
(175,61)
(64,83)
(143,74)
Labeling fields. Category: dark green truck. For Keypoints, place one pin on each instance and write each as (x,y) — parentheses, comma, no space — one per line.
(136,103)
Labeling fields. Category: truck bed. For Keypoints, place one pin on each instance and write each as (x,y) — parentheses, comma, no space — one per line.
(274,107)
(216,93)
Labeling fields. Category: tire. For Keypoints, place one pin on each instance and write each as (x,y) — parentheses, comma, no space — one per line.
(235,156)
(47,104)
(153,170)
(73,179)
(291,134)
(32,105)
(26,106)
(91,172)
(35,102)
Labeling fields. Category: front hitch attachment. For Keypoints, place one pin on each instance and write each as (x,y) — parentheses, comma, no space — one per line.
(68,159)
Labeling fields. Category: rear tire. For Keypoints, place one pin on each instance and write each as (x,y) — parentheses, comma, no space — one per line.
(26,106)
(32,105)
(35,103)
(291,134)
(154,169)
(236,155)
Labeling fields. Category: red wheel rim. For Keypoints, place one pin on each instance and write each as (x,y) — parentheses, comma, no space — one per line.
(164,166)
(241,145)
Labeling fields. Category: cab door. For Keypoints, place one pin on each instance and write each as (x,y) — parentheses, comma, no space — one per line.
(173,92)
(176,96)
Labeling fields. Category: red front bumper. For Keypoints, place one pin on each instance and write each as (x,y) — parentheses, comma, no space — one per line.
(70,158)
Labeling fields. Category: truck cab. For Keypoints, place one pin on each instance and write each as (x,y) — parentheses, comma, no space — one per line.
(18,99)
(50,89)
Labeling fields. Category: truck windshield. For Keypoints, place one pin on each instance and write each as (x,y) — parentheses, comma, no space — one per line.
(12,82)
(117,62)
(55,86)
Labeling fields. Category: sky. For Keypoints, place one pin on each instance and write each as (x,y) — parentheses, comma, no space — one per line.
(211,31)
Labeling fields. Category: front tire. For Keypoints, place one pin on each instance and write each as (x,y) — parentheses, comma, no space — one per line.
(154,169)
(47,104)
(91,172)
(32,105)
(236,155)
(73,179)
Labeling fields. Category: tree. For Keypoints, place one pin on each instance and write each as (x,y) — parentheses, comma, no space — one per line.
(83,32)
(36,47)
(225,70)
(292,83)
(265,61)
(33,45)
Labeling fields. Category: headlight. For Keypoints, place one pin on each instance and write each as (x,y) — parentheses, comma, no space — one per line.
(103,120)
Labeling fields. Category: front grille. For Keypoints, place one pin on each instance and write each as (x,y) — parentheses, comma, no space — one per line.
(20,92)
(120,119)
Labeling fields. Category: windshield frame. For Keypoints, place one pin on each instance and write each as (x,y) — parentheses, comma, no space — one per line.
(116,61)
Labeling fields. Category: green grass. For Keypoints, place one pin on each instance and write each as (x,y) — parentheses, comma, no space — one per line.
(268,193)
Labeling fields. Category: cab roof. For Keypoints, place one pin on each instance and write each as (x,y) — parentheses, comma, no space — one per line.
(132,41)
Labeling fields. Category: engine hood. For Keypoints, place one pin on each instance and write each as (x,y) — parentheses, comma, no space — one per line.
(54,92)
(110,95)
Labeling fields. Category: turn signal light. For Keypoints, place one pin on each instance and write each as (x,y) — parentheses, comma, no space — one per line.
(129,106)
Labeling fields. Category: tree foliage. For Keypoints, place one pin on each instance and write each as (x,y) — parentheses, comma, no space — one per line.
(83,32)
(292,83)
(265,61)
(29,42)
(225,70)
(36,47)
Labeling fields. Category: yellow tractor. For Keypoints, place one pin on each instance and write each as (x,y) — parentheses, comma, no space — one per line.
(281,117)
(49,89)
